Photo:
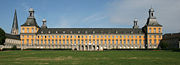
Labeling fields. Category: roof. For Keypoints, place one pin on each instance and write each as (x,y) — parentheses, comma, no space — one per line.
(15,21)
(31,21)
(12,36)
(90,31)
(152,22)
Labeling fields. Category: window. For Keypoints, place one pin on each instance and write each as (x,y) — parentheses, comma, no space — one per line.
(27,36)
(59,41)
(81,36)
(81,41)
(101,42)
(128,43)
(41,42)
(32,41)
(78,42)
(109,36)
(59,36)
(97,36)
(85,36)
(89,36)
(139,36)
(22,36)
(37,42)
(27,30)
(154,30)
(45,42)
(49,42)
(112,36)
(63,36)
(56,42)
(149,30)
(41,36)
(23,30)
(74,36)
(93,36)
(32,30)
(116,42)
(135,36)
(52,42)
(149,36)
(154,40)
(52,36)
(67,36)
(97,42)
(136,43)
(159,30)
(113,42)
(159,36)
(124,36)
(150,41)
(48,36)
(63,42)
(71,41)
(154,36)
(116,36)
(71,36)
(105,42)
(56,36)
(23,42)
(78,36)
(132,36)
(67,42)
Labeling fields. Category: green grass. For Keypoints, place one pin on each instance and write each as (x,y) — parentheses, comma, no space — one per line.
(67,57)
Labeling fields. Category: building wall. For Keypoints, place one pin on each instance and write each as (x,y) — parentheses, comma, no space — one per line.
(154,36)
(9,43)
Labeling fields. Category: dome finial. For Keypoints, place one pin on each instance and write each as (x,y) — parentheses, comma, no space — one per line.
(31,9)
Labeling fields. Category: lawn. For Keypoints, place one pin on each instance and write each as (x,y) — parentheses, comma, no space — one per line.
(67,57)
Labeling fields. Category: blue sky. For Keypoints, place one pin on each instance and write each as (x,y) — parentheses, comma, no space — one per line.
(91,13)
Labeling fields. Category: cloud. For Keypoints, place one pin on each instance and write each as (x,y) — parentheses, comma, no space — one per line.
(167,12)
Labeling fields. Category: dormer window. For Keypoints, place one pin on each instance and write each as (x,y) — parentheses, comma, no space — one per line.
(41,31)
(64,31)
(56,31)
(93,31)
(131,32)
(49,31)
(85,31)
(78,31)
(116,31)
(70,31)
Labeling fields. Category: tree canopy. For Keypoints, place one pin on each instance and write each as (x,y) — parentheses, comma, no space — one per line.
(2,36)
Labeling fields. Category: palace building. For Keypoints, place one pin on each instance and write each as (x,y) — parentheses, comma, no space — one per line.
(34,36)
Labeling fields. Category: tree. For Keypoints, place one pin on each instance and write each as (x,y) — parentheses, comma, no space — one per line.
(163,45)
(2,36)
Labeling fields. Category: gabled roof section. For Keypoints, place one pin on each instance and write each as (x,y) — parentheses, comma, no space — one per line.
(152,22)
(90,31)
(30,22)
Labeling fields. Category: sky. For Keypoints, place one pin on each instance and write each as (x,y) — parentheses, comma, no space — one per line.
(92,13)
